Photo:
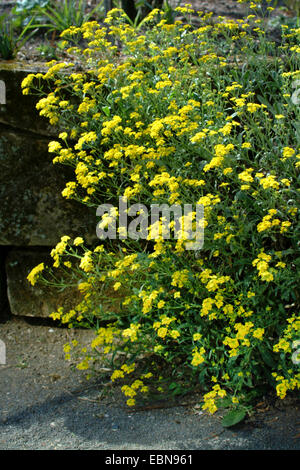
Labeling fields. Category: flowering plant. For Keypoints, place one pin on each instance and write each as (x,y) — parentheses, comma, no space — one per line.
(177,114)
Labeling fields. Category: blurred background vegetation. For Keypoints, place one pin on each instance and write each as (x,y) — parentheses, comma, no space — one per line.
(21,20)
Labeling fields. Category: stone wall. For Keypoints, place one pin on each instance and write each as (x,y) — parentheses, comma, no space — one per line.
(33,213)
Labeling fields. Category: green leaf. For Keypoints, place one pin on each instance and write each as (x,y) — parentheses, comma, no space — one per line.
(224,402)
(233,417)
(267,356)
(106,110)
(173,385)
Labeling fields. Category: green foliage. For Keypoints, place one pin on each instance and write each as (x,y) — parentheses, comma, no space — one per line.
(294,6)
(233,417)
(182,114)
(62,15)
(137,11)
(10,40)
(47,51)
(7,49)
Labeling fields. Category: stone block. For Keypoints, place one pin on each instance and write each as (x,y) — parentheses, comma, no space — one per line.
(37,300)
(32,210)
(3,289)
(18,110)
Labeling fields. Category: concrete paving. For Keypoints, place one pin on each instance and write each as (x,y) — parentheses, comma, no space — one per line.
(46,405)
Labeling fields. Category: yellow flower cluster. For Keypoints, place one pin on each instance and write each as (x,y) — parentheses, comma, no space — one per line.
(210,398)
(261,263)
(34,273)
(159,115)
(59,250)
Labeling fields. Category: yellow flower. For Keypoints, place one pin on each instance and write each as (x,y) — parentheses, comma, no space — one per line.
(253,107)
(246,176)
(55,315)
(131,332)
(258,333)
(86,263)
(174,334)
(161,332)
(288,152)
(269,182)
(197,336)
(131,402)
(34,274)
(78,241)
(148,375)
(117,374)
(198,357)
(54,146)
(284,226)
(246,145)
(27,80)
(83,365)
(180,278)
(282,345)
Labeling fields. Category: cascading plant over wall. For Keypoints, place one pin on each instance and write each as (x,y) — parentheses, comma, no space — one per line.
(195,112)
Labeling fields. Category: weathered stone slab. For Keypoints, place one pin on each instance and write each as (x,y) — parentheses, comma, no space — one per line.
(19,111)
(40,301)
(3,290)
(32,209)
(27,300)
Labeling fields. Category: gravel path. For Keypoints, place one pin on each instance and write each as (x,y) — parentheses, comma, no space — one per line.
(45,405)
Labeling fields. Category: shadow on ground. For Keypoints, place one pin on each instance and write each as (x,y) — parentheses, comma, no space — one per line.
(46,405)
